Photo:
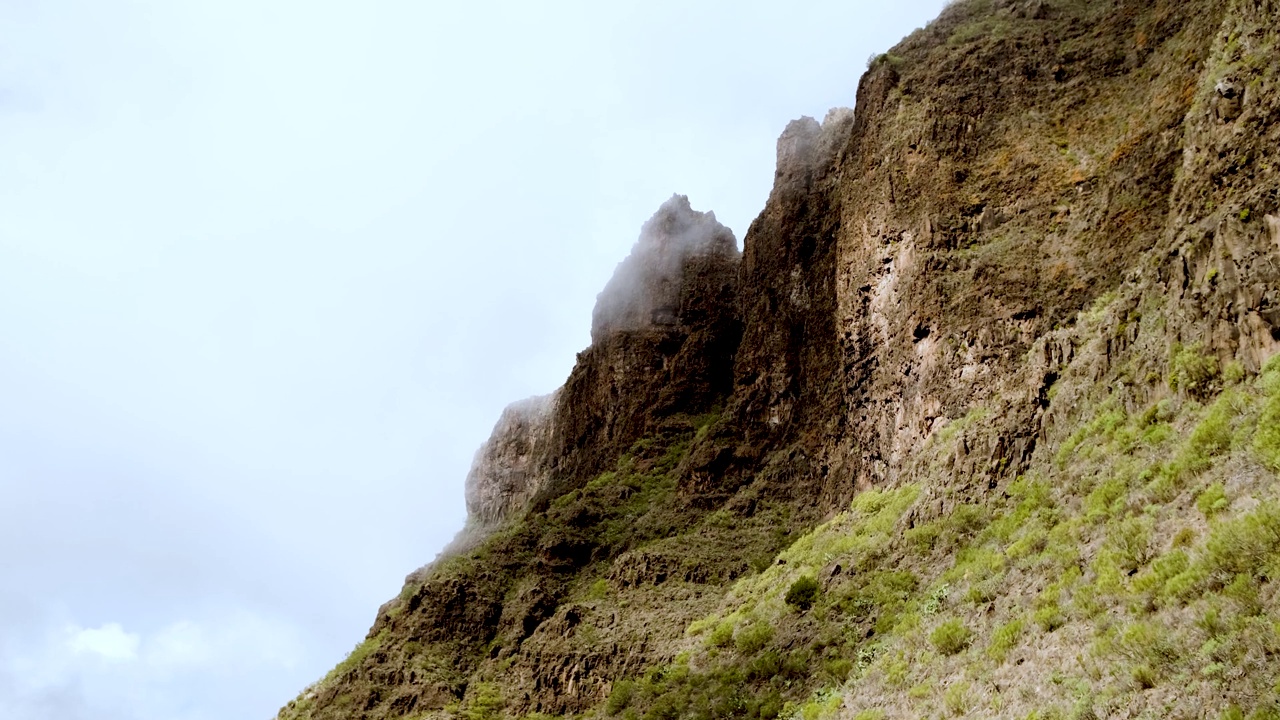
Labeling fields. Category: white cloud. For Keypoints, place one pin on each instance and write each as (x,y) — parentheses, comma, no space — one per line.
(122,672)
(109,642)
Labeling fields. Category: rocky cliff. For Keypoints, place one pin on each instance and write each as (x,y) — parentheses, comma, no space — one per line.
(983,421)
(663,335)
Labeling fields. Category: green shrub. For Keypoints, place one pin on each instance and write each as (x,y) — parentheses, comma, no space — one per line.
(667,706)
(981,593)
(1213,500)
(1192,371)
(803,592)
(1004,639)
(484,703)
(358,654)
(1160,413)
(924,536)
(1176,579)
(1164,568)
(1103,425)
(1050,617)
(1213,435)
(1157,434)
(1152,649)
(1246,544)
(765,666)
(1104,500)
(796,664)
(722,635)
(599,589)
(967,519)
(1144,676)
(951,637)
(770,705)
(1244,591)
(869,502)
(1233,373)
(620,697)
(752,639)
(956,698)
(838,669)
(1266,439)
(1270,711)
(1031,540)
(1131,541)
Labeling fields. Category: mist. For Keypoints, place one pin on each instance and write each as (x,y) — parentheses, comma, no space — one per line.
(644,288)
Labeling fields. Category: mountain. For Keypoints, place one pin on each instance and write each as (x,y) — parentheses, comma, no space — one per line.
(983,421)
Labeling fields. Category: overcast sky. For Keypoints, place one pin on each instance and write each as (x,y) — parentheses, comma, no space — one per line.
(269,271)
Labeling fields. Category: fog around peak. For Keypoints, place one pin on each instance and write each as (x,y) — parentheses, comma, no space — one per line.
(646,285)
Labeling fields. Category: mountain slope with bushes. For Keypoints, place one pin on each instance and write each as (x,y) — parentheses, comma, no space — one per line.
(982,421)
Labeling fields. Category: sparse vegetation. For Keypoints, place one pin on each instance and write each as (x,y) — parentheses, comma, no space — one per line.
(484,702)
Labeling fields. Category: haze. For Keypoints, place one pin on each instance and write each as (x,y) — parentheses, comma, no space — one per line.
(270,271)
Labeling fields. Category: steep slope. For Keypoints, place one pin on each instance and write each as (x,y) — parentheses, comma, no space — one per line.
(983,421)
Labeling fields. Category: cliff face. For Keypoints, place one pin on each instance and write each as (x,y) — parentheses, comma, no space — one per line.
(663,335)
(512,466)
(986,400)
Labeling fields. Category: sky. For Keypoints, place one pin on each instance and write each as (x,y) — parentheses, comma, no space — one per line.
(270,270)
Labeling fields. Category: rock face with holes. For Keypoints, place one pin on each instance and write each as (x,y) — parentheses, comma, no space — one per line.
(1037,207)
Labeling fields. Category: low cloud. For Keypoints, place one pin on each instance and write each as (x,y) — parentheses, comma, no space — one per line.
(109,642)
(122,673)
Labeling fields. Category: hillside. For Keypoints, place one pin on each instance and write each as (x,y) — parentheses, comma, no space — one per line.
(982,421)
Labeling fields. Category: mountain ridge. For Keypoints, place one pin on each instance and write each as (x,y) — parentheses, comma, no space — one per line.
(988,397)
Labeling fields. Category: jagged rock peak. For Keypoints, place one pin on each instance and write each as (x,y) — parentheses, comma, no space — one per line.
(645,291)
(508,470)
(805,141)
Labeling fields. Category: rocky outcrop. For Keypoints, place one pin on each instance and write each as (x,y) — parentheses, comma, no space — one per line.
(511,467)
(663,337)
(678,275)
